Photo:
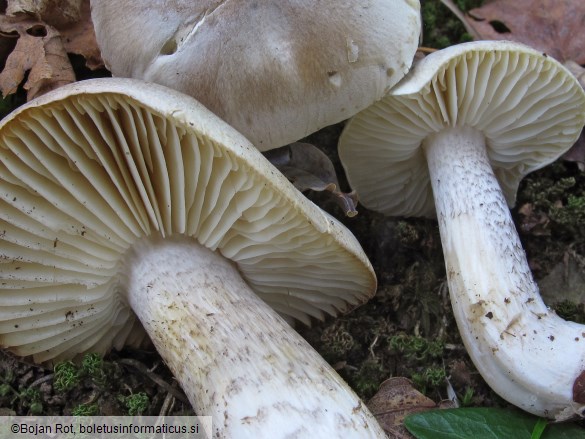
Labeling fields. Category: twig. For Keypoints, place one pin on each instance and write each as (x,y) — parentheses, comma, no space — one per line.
(425,49)
(168,403)
(461,16)
(42,380)
(371,348)
(154,377)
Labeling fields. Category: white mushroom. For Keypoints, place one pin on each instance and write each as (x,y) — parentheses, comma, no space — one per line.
(275,70)
(463,128)
(119,199)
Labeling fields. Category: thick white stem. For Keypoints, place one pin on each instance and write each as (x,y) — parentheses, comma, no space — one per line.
(236,359)
(524,351)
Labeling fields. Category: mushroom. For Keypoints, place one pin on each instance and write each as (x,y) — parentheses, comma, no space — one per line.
(125,204)
(463,128)
(275,70)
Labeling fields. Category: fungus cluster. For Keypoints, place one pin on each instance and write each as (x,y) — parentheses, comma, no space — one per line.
(129,210)
(453,139)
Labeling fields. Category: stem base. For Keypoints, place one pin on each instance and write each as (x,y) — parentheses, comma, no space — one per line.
(236,359)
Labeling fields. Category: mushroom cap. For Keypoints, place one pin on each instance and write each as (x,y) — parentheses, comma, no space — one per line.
(94,167)
(274,70)
(528,107)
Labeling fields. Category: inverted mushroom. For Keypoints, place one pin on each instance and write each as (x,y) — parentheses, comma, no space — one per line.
(122,199)
(462,129)
(275,70)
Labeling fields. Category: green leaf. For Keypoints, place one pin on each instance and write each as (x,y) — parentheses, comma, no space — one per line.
(538,428)
(486,423)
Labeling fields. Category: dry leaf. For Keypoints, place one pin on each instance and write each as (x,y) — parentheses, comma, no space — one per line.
(396,399)
(308,168)
(79,38)
(556,27)
(55,13)
(534,222)
(38,51)
(29,44)
(566,281)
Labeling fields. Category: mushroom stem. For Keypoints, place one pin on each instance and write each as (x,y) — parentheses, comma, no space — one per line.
(236,359)
(525,352)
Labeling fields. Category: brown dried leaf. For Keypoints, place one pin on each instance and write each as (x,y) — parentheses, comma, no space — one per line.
(308,168)
(396,399)
(556,27)
(566,281)
(52,12)
(79,38)
(533,221)
(39,50)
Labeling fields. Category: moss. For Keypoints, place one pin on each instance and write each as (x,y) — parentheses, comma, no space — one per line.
(94,367)
(420,280)
(66,376)
(416,348)
(570,214)
(31,398)
(440,27)
(86,410)
(408,234)
(368,377)
(550,215)
(545,192)
(337,341)
(136,404)
(431,377)
(568,310)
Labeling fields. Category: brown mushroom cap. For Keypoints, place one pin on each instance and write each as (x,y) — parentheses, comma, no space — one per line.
(274,70)
(92,168)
